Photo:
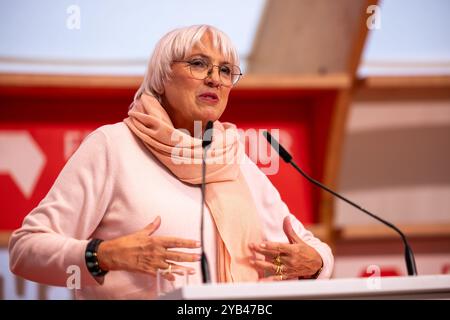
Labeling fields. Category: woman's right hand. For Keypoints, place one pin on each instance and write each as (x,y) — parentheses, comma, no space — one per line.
(141,252)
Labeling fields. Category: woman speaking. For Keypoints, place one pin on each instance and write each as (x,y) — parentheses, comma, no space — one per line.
(127,203)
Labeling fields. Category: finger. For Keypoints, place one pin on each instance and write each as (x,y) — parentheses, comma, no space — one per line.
(152,267)
(182,256)
(182,270)
(161,264)
(271,254)
(289,231)
(153,226)
(272,249)
(175,270)
(276,247)
(270,267)
(170,242)
(264,265)
(169,276)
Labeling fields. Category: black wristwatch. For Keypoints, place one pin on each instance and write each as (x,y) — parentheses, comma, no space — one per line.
(92,259)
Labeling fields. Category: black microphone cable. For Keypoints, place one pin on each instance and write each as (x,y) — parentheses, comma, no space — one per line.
(409,255)
(206,142)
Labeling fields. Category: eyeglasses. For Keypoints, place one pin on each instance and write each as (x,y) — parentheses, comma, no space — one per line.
(201,69)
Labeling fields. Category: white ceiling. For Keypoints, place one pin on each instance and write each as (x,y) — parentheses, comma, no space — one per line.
(414,38)
(116,37)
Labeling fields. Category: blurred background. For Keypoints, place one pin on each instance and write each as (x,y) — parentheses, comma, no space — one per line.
(359,89)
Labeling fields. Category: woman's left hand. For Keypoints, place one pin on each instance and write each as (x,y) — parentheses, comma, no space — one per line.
(287,261)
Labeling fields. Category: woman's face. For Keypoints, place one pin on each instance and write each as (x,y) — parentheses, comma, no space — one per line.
(187,99)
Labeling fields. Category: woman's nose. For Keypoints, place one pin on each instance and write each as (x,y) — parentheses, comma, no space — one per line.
(213,78)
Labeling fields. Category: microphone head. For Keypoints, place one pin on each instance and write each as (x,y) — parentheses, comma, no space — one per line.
(207,135)
(278,148)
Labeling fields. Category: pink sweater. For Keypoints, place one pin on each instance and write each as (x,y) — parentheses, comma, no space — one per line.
(113,186)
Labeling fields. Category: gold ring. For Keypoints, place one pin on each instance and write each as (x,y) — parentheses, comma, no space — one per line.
(280,266)
(277,260)
(169,269)
(279,270)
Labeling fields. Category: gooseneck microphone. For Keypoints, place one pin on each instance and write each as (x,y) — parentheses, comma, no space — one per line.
(409,256)
(206,142)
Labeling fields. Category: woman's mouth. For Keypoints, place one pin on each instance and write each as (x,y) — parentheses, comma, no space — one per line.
(209,97)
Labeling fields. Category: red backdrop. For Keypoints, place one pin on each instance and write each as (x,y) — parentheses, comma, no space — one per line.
(57,119)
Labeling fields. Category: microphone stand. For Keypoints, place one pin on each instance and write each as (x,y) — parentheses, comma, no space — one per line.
(207,139)
(409,255)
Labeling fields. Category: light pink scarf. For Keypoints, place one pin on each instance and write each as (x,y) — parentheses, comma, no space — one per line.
(227,194)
